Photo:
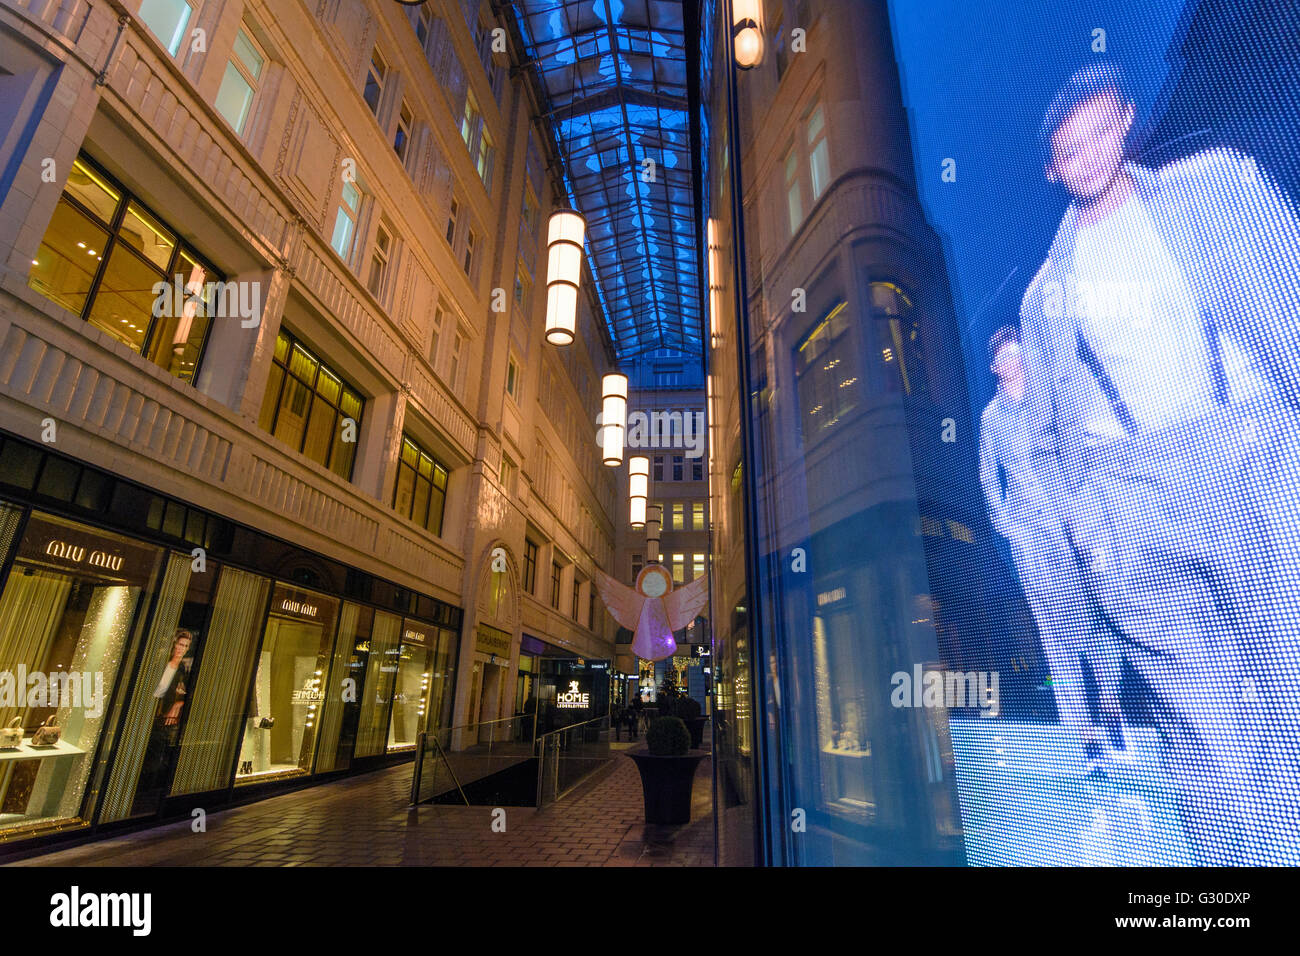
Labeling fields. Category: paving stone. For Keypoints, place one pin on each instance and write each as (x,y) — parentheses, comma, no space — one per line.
(365,821)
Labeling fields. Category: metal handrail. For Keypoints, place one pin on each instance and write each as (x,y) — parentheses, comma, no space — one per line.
(552,733)
(423,745)
(545,741)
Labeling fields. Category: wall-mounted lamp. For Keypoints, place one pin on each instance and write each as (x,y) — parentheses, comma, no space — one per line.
(564,238)
(613,417)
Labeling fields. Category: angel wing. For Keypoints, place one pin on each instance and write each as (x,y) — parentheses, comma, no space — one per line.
(685,603)
(622,602)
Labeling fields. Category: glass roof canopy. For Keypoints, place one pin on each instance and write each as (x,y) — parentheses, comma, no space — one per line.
(613,73)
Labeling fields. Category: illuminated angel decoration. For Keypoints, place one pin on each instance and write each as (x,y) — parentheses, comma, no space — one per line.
(653,610)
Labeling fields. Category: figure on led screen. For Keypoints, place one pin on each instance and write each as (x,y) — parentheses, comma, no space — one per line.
(1020,512)
(1162,348)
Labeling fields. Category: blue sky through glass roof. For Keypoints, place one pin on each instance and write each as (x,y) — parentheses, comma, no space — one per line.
(614,76)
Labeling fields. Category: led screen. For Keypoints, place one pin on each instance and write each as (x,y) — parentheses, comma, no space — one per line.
(1023,328)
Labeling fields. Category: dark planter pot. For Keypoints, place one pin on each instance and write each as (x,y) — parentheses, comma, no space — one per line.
(696,726)
(666,784)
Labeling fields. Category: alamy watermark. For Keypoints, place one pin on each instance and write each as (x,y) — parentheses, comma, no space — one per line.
(669,429)
(221,300)
(1133,301)
(946,689)
(57,689)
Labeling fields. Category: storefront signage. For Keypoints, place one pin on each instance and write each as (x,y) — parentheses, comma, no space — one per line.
(492,641)
(301,608)
(573,699)
(414,635)
(70,547)
(76,553)
(310,692)
(830,597)
(303,605)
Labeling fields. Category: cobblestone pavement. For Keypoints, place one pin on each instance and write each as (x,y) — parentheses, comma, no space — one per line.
(365,821)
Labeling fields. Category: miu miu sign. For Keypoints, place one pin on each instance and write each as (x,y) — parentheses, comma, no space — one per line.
(78,554)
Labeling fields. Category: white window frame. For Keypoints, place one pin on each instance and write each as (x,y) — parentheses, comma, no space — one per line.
(406,129)
(423,15)
(453,224)
(470,259)
(455,364)
(818,147)
(485,158)
(253,81)
(378,106)
(381,259)
(471,122)
(512,378)
(793,191)
(179,32)
(435,338)
(354,218)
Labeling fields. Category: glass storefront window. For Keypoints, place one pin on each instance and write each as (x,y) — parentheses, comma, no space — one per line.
(148,742)
(66,616)
(442,685)
(346,688)
(411,692)
(284,705)
(381,653)
(213,728)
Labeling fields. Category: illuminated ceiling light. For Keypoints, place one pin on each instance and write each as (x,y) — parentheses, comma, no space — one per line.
(613,418)
(564,240)
(653,521)
(746,37)
(638,488)
(715,281)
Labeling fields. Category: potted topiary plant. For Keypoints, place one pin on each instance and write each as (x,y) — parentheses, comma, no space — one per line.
(667,771)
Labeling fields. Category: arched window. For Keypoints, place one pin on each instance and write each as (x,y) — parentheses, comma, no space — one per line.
(899,341)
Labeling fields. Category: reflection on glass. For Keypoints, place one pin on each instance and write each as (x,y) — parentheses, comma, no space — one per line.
(69,257)
(123,306)
(149,743)
(381,654)
(413,684)
(344,689)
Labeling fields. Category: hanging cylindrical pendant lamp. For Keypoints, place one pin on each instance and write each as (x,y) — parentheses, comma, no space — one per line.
(654,517)
(746,37)
(564,239)
(613,417)
(638,488)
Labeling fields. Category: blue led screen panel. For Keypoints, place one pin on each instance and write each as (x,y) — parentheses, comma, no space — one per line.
(1027,460)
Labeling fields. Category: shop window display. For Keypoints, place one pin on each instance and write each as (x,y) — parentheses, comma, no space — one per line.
(442,683)
(341,709)
(66,617)
(149,742)
(411,695)
(212,730)
(381,669)
(284,703)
